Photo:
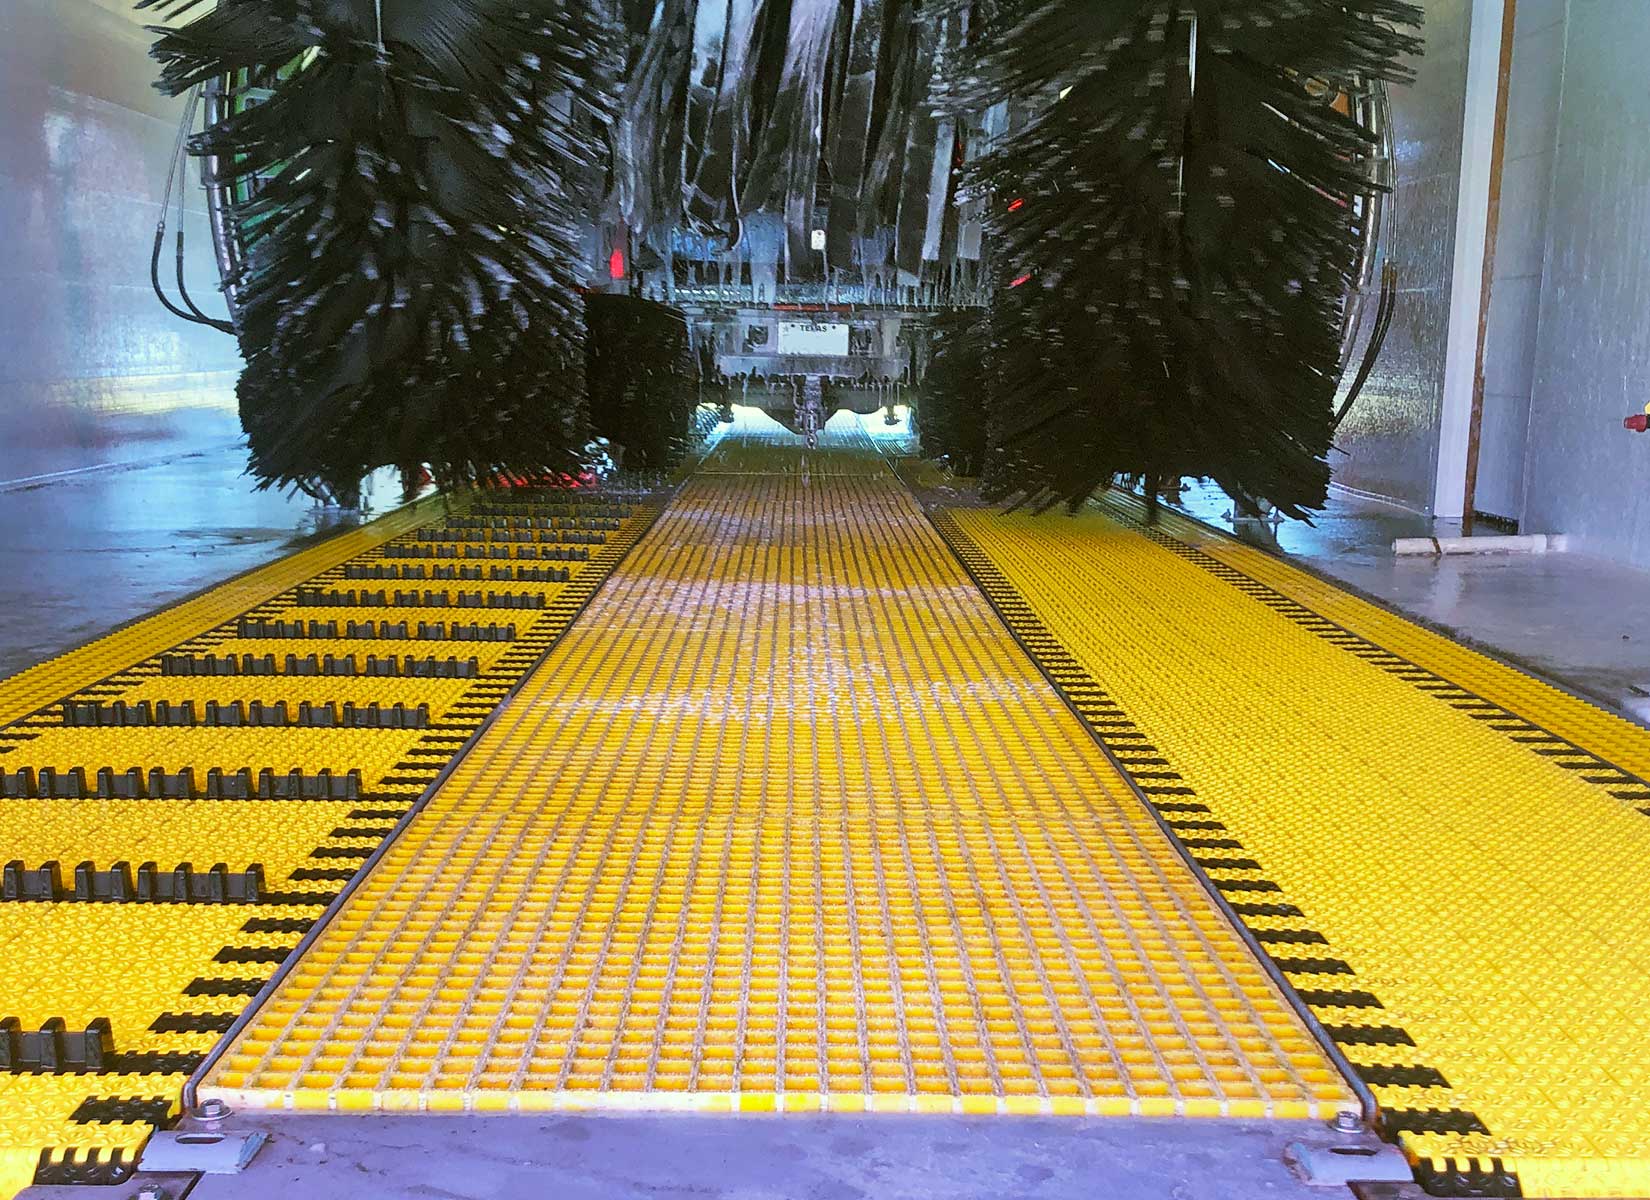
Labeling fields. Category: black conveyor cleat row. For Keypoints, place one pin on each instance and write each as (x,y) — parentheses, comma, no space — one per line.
(1467,1177)
(428,598)
(124,1110)
(495,573)
(268,955)
(548,509)
(238,713)
(387,666)
(382,570)
(81,714)
(1393,1121)
(516,551)
(565,537)
(518,521)
(148,885)
(223,987)
(191,1022)
(88,1168)
(47,783)
(54,1048)
(439,631)
(529,574)
(1369,1035)
(278,925)
(1400,1075)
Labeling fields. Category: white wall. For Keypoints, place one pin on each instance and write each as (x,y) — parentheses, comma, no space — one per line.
(1584,474)
(1521,244)
(92,369)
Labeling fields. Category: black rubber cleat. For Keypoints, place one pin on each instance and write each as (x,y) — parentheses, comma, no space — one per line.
(54,1050)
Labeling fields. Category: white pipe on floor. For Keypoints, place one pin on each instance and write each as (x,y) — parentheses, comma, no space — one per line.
(1524,543)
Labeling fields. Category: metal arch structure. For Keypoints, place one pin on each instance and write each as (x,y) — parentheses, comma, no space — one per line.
(786,173)
(770,159)
(805,135)
(777,164)
(828,130)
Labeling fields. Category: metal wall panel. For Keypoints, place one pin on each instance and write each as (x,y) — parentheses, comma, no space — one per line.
(1586,476)
(1391,436)
(1520,245)
(92,369)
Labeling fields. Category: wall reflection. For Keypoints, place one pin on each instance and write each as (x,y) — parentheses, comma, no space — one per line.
(93,369)
(121,485)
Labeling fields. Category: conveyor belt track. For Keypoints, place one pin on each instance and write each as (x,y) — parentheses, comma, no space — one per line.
(791,820)
(182,799)
(786,823)
(1445,856)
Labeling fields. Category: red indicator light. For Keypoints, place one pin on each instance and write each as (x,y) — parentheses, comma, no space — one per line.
(615,264)
(1016,205)
(1019,281)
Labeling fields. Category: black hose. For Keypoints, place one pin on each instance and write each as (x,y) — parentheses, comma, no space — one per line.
(183,288)
(176,168)
(1377,339)
(154,280)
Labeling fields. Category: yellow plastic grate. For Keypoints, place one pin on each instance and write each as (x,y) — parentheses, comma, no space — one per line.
(170,976)
(28,690)
(1604,733)
(75,961)
(787,822)
(1481,883)
(277,835)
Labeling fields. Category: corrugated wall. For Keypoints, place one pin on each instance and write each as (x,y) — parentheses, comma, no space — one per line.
(1585,475)
(94,370)
(1391,435)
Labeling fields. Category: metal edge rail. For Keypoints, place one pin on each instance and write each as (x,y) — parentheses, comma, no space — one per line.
(266,993)
(1366,1097)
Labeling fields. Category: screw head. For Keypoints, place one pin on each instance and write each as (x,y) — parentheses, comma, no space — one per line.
(213,1110)
(1348,1120)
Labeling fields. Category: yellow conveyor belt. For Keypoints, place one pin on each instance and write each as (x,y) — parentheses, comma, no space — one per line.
(1468,848)
(787,822)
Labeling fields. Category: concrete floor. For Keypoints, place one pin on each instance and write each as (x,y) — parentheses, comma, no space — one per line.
(83,553)
(86,551)
(1581,622)
(580,1157)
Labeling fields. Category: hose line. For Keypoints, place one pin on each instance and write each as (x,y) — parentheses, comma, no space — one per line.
(176,169)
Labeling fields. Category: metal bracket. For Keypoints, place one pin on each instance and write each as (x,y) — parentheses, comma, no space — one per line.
(1347,1163)
(207,1151)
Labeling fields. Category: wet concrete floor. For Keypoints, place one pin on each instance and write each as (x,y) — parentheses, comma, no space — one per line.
(1579,621)
(84,553)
